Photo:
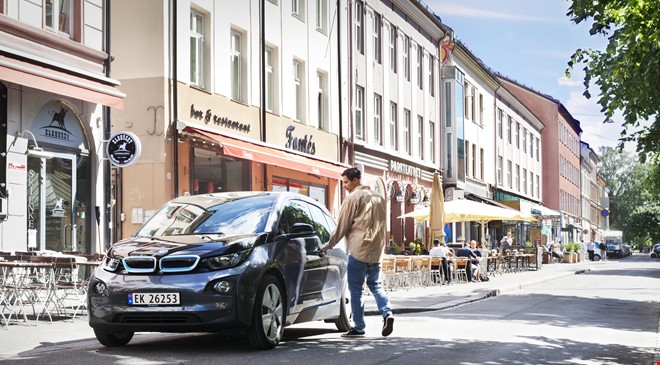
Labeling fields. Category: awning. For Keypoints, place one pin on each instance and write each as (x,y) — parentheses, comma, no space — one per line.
(543,211)
(57,82)
(272,156)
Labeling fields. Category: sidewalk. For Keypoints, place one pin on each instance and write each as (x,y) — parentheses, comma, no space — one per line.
(447,296)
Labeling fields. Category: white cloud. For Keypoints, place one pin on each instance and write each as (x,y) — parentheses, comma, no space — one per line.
(468,12)
(572,82)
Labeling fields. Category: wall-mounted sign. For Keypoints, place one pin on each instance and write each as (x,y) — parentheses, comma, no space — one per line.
(405,169)
(605,212)
(209,117)
(123,149)
(57,124)
(303,144)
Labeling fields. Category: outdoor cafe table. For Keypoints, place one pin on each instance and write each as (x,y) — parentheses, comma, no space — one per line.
(15,279)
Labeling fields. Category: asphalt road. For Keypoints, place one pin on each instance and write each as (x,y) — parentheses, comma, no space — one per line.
(609,315)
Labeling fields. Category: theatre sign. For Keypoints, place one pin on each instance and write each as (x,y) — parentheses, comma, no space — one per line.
(405,169)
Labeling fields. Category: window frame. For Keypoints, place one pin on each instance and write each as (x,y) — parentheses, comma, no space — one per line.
(358,126)
(378,119)
(197,71)
(236,65)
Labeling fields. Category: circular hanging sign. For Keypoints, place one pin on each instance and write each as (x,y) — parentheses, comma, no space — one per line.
(605,212)
(123,149)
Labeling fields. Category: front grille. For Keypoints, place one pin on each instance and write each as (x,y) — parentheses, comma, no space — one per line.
(178,263)
(156,318)
(139,264)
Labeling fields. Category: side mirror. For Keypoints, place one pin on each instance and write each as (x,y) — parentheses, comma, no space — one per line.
(302,228)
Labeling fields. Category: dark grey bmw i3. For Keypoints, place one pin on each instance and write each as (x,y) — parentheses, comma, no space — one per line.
(239,262)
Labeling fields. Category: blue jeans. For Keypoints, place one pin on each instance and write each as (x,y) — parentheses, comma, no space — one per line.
(357,272)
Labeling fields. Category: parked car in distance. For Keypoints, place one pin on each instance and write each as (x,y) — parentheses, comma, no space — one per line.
(244,263)
(627,250)
(655,251)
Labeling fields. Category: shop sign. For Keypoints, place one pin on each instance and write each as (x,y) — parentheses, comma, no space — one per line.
(303,144)
(208,117)
(123,149)
(57,124)
(405,169)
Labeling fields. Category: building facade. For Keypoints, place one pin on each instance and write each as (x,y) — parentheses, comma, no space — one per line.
(392,126)
(560,146)
(218,109)
(55,109)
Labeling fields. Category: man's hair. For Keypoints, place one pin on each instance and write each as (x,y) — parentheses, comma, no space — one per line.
(352,173)
(436,242)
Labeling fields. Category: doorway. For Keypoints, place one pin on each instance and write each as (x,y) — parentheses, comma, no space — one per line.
(56,213)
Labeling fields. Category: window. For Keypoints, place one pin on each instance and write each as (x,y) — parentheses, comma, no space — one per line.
(378,121)
(509,127)
(524,140)
(431,85)
(236,63)
(467,159)
(298,71)
(321,15)
(482,159)
(406,57)
(407,133)
(58,16)
(537,148)
(516,178)
(322,101)
(377,37)
(531,182)
(466,101)
(480,112)
(393,48)
(394,132)
(449,152)
(270,87)
(500,116)
(420,68)
(538,189)
(359,117)
(359,26)
(196,49)
(473,160)
(298,9)
(508,174)
(420,137)
(499,170)
(524,181)
(432,140)
(517,135)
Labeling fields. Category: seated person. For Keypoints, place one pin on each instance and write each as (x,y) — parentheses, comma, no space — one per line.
(441,250)
(472,268)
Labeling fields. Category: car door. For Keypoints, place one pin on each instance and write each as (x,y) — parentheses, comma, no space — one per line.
(307,286)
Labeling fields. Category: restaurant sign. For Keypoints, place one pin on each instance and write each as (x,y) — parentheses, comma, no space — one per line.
(123,149)
(405,169)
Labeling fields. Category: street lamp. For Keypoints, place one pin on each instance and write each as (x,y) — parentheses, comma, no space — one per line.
(426,201)
(396,195)
(35,151)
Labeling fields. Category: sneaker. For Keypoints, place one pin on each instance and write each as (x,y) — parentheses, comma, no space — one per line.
(353,333)
(388,325)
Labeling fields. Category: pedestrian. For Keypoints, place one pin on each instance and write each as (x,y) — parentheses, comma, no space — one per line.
(362,222)
(590,250)
(505,243)
(603,251)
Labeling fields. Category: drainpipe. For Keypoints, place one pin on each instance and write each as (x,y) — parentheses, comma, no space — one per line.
(339,79)
(262,82)
(107,186)
(175,99)
(350,147)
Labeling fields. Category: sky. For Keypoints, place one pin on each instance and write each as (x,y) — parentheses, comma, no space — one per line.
(531,42)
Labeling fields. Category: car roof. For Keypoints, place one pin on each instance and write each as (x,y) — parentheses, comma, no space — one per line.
(208,200)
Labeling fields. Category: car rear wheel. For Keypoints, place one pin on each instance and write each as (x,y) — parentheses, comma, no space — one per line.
(653,255)
(343,322)
(268,317)
(111,339)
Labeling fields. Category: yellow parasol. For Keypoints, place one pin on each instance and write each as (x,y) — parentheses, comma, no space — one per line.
(437,209)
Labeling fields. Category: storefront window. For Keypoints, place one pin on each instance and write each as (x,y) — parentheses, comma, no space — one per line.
(214,174)
(315,192)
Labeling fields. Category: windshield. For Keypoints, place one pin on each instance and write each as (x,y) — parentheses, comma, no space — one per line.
(238,216)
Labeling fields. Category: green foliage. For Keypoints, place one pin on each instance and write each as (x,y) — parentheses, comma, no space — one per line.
(645,221)
(627,71)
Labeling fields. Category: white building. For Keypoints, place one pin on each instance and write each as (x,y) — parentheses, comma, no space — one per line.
(55,113)
(392,124)
(193,72)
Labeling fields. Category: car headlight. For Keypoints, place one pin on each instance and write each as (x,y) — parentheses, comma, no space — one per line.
(111,264)
(226,261)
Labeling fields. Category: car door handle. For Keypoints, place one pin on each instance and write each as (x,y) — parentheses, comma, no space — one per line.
(319,253)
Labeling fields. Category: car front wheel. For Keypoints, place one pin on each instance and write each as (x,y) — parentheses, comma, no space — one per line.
(110,339)
(268,317)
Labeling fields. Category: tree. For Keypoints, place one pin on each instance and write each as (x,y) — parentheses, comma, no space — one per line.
(630,188)
(627,72)
(644,225)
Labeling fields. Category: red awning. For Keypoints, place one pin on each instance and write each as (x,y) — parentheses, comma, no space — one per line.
(58,82)
(255,152)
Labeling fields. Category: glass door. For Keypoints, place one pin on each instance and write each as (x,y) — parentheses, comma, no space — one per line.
(53,218)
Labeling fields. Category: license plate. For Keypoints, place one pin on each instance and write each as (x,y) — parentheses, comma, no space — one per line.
(153,299)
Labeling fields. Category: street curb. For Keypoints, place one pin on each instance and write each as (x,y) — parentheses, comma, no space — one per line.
(476,297)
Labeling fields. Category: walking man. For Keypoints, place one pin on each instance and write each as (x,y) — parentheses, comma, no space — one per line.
(362,221)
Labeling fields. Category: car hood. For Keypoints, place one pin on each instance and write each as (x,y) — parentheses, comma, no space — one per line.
(199,245)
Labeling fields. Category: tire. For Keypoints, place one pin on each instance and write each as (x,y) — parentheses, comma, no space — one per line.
(267,326)
(343,322)
(597,257)
(110,339)
(653,255)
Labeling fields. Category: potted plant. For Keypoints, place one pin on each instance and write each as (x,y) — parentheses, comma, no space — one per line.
(567,255)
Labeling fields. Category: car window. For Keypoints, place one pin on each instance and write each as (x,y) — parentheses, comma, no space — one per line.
(319,223)
(237,216)
(294,212)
